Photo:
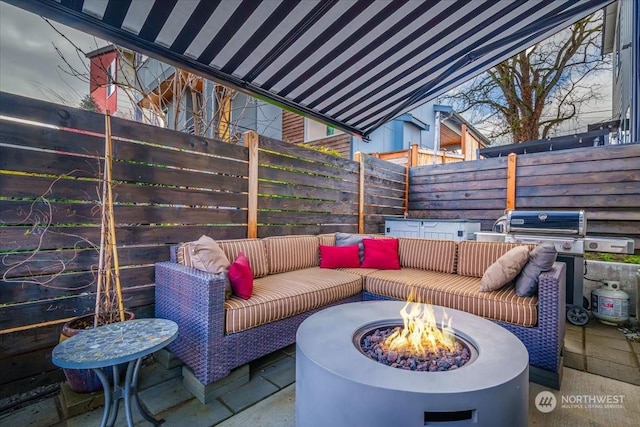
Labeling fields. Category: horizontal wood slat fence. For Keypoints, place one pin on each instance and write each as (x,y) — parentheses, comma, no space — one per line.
(169,187)
(172,187)
(604,181)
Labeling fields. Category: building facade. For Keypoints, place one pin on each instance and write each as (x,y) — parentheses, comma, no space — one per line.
(111,71)
(621,39)
(436,130)
(189,103)
(143,89)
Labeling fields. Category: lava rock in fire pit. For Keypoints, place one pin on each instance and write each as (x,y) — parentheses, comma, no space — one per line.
(372,345)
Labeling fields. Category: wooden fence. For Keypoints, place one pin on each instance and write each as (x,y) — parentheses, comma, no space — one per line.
(169,187)
(417,156)
(604,181)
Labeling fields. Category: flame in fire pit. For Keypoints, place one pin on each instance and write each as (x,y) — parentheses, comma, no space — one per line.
(421,333)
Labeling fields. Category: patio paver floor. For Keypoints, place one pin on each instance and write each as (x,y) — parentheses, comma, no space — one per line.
(268,399)
(602,350)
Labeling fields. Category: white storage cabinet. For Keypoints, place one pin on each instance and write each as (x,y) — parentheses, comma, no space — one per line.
(440,229)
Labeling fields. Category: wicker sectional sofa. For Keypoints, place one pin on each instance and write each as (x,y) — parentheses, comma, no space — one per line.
(218,335)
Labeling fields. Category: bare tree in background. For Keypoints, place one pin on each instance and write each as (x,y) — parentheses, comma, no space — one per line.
(179,92)
(532,93)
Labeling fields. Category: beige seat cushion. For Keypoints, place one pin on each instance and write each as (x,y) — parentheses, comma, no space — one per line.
(359,271)
(455,291)
(279,296)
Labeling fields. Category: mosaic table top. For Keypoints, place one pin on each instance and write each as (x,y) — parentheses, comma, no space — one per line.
(114,343)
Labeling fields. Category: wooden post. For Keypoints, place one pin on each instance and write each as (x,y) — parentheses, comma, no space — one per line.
(413,161)
(359,157)
(463,141)
(511,182)
(251,141)
(406,191)
(413,156)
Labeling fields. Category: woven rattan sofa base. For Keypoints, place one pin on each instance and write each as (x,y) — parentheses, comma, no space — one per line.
(194,300)
(544,341)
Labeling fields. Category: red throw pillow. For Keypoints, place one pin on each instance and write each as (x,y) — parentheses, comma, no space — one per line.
(381,254)
(339,256)
(241,277)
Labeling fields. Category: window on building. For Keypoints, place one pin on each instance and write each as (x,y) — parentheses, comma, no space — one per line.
(314,130)
(625,131)
(111,78)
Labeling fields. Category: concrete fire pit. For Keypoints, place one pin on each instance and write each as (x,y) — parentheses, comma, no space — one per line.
(337,385)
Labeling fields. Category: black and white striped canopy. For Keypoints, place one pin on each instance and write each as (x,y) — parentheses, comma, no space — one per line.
(354,64)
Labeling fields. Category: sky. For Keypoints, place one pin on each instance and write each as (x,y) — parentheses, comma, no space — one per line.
(29,64)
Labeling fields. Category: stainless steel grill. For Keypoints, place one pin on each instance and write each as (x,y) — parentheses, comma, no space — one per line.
(557,223)
(567,230)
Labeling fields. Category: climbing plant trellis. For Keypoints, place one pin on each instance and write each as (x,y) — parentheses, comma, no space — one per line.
(109,305)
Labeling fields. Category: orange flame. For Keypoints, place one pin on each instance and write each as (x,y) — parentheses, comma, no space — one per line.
(421,333)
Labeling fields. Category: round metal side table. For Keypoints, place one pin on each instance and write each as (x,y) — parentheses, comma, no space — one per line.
(111,345)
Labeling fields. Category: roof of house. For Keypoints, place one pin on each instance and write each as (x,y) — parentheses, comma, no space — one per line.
(455,117)
(353,65)
(105,49)
(410,118)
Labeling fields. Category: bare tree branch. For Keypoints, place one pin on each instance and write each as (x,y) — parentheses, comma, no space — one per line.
(182,94)
(532,93)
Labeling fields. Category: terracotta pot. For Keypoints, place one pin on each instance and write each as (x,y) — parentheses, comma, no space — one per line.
(85,380)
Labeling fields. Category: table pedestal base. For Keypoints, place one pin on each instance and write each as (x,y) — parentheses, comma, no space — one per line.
(128,392)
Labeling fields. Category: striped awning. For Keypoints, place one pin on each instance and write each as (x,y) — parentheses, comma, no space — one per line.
(353,64)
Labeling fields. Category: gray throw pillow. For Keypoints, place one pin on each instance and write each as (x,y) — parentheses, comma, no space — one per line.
(347,239)
(541,258)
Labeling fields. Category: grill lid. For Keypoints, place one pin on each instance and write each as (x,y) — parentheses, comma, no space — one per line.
(549,222)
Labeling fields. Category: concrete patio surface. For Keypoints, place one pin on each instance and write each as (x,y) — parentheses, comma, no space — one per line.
(600,387)
(602,350)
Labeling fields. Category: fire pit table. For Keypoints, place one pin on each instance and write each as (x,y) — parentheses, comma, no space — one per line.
(338,385)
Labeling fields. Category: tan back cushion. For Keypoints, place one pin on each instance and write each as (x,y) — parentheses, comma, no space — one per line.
(505,269)
(288,253)
(327,239)
(475,257)
(253,249)
(427,254)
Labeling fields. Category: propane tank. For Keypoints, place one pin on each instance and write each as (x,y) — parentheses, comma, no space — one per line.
(609,304)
